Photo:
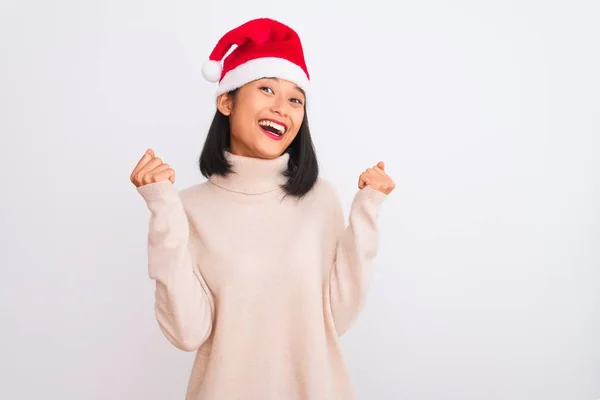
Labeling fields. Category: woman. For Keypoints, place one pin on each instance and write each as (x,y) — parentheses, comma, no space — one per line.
(254,269)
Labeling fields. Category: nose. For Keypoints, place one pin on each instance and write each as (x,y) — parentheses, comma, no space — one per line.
(279,106)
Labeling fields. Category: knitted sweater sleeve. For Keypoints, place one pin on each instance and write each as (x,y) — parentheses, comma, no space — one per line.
(357,245)
(183,304)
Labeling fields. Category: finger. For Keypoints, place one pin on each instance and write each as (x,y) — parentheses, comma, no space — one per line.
(150,165)
(148,177)
(374,172)
(148,155)
(155,162)
(167,174)
(381,165)
(360,182)
(165,168)
(158,169)
(379,171)
(369,172)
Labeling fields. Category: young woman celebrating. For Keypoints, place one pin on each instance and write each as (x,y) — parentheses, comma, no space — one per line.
(255,269)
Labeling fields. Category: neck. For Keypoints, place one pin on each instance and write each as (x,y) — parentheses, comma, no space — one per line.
(253,175)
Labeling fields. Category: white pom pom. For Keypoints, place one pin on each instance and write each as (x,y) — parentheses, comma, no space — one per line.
(211,70)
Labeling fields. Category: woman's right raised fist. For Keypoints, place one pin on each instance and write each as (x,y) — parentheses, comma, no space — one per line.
(151,169)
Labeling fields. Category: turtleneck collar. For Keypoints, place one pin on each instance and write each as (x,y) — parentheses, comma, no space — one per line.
(253,175)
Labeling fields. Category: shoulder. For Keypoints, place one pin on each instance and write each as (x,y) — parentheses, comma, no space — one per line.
(325,193)
(194,192)
(323,187)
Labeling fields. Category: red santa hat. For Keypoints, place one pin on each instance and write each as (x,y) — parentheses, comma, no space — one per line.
(265,48)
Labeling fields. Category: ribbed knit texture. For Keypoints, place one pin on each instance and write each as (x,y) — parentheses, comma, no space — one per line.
(259,285)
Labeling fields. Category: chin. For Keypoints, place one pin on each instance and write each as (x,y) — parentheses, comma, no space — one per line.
(269,152)
(270,148)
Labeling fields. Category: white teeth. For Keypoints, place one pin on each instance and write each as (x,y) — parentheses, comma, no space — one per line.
(280,128)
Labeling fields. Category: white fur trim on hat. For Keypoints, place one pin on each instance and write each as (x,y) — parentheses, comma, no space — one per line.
(266,67)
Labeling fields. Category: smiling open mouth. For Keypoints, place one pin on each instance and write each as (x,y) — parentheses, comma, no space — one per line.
(272,127)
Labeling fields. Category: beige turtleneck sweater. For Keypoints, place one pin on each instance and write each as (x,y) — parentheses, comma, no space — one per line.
(259,285)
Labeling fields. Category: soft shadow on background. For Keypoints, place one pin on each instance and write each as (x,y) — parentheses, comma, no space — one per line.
(486,113)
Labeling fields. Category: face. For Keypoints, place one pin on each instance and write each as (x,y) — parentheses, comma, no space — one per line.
(264,117)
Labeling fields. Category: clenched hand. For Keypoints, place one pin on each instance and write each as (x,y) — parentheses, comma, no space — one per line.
(151,169)
(376,178)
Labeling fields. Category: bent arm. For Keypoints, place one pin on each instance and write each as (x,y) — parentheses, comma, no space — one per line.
(355,252)
(183,304)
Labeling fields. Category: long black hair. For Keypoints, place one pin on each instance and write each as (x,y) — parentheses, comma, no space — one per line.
(303,168)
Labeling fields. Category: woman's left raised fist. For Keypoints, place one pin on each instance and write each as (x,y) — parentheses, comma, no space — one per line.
(376,178)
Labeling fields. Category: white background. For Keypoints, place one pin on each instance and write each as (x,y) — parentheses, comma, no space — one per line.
(487,284)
